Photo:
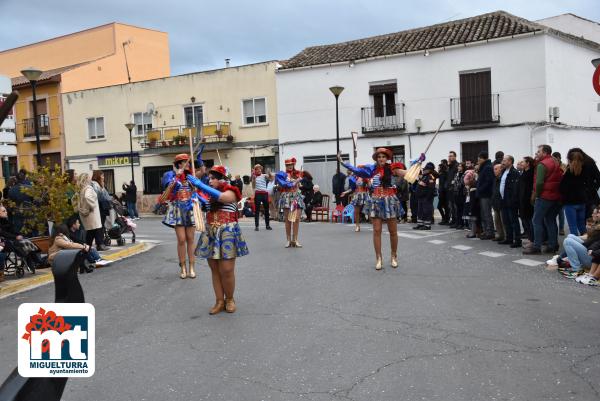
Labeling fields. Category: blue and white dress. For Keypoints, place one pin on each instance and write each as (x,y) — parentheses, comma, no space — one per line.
(383,203)
(360,191)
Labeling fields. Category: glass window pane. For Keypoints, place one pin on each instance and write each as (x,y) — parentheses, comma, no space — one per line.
(260,107)
(100,127)
(189,117)
(248,110)
(91,128)
(249,120)
(137,118)
(198,117)
(147,118)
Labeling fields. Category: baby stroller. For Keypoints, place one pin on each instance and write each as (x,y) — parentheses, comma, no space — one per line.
(22,255)
(120,225)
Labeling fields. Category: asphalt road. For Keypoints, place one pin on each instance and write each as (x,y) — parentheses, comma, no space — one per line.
(319,323)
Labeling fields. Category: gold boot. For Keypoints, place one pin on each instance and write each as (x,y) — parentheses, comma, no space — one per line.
(230,305)
(394,261)
(379,264)
(219,307)
(183,273)
(192,273)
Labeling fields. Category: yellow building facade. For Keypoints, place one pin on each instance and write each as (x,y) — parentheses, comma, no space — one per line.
(231,111)
(106,55)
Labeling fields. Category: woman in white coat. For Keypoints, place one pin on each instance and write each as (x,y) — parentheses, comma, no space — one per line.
(89,211)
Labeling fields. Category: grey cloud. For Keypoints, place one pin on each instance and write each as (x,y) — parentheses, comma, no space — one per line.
(203,33)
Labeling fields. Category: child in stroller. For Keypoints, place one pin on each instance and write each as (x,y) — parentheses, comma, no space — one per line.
(117,225)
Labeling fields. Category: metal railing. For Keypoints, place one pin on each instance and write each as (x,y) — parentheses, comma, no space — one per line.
(467,110)
(178,135)
(43,126)
(385,118)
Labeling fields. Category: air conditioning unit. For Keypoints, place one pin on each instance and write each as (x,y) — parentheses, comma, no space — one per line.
(553,113)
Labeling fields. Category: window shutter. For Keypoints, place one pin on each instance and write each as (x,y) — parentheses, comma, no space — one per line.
(385,88)
(378,103)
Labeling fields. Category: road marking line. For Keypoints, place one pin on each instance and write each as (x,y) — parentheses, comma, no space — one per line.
(528,262)
(462,247)
(407,235)
(492,254)
(436,241)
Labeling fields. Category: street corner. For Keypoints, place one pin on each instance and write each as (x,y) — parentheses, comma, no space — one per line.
(13,285)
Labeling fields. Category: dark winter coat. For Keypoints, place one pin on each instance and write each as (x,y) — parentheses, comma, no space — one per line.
(485,181)
(511,190)
(525,190)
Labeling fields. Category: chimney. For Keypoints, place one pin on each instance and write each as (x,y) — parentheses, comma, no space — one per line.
(227,60)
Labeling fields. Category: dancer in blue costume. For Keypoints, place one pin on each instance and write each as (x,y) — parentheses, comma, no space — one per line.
(222,242)
(383,204)
(180,194)
(360,187)
(291,201)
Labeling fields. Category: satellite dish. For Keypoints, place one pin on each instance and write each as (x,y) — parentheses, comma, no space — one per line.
(150,108)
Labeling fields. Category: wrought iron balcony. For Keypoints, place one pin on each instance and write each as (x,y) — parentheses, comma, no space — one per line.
(176,138)
(471,110)
(383,118)
(43,126)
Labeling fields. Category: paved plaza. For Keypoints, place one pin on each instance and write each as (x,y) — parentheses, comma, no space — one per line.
(459,319)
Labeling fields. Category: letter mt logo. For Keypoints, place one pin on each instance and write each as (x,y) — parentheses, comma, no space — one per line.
(57,340)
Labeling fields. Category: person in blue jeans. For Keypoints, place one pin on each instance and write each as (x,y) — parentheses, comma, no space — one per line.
(131,199)
(573,190)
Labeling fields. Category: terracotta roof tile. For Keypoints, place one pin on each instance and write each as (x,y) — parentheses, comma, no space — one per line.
(46,75)
(482,27)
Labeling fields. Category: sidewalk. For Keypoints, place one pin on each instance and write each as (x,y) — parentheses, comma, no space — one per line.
(12,285)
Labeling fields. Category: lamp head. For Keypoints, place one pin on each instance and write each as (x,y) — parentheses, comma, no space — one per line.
(31,73)
(130,126)
(336,90)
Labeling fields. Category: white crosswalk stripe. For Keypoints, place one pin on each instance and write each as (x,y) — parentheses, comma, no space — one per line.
(528,262)
(462,247)
(492,254)
(436,241)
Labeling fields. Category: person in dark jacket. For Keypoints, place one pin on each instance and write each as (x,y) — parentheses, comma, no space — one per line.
(485,187)
(452,168)
(403,195)
(307,190)
(21,200)
(457,188)
(498,157)
(425,195)
(509,193)
(443,192)
(573,191)
(317,197)
(131,199)
(338,185)
(497,204)
(525,190)
(590,170)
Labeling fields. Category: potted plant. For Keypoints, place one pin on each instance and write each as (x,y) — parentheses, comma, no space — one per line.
(51,193)
(179,140)
(219,133)
(229,138)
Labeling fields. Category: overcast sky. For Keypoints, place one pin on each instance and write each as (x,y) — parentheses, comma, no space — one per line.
(203,33)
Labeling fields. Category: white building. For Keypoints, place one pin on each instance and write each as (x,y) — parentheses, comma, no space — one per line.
(500,82)
(8,149)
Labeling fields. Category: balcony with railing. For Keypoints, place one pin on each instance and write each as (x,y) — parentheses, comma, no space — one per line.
(475,110)
(389,117)
(174,139)
(43,127)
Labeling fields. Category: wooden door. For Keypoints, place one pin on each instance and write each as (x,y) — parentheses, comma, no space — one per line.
(475,97)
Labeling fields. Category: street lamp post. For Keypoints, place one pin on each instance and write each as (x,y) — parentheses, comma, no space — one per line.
(337,90)
(32,74)
(130,127)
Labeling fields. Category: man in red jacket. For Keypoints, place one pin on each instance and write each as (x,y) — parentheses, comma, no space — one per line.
(546,198)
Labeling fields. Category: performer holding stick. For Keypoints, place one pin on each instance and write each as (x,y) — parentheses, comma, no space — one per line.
(222,242)
(383,206)
(360,187)
(182,197)
(290,201)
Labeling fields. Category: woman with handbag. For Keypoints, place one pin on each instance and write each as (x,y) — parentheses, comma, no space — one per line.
(89,212)
(222,242)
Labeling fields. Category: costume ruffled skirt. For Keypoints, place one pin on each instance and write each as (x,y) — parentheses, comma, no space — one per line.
(179,214)
(360,198)
(383,207)
(289,199)
(221,242)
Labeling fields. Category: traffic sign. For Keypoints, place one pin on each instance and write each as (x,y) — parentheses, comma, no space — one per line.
(596,80)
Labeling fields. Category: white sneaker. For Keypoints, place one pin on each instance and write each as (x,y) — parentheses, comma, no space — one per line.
(580,279)
(593,281)
(103,262)
(553,261)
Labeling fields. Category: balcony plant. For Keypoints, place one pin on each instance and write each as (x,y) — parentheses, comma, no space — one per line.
(229,138)
(180,140)
(219,133)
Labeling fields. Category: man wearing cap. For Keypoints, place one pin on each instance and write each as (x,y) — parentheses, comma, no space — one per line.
(260,182)
(425,194)
(290,201)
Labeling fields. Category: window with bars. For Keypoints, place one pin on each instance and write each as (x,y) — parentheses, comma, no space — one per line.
(95,128)
(143,123)
(255,111)
(193,116)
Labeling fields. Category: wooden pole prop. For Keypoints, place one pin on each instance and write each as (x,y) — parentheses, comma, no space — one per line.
(413,172)
(196,210)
